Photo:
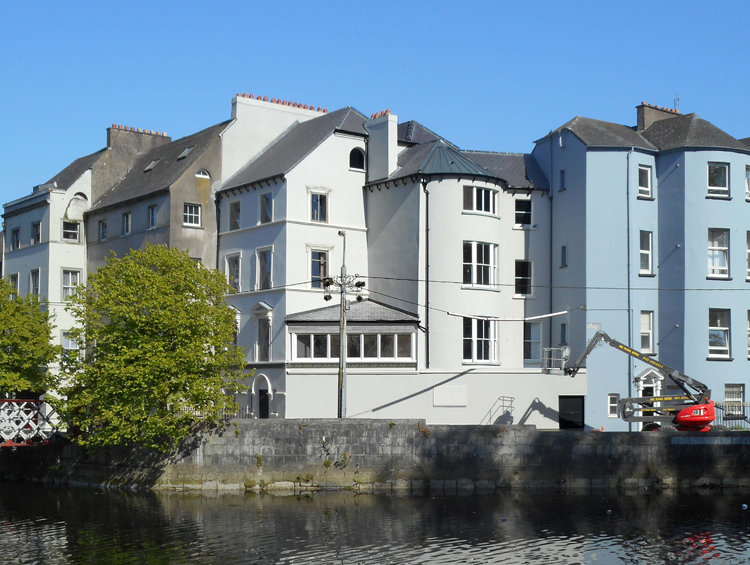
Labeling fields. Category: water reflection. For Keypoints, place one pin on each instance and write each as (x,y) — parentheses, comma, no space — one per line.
(72,526)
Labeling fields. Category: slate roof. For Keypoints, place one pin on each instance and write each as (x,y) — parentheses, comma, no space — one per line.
(604,134)
(295,144)
(365,311)
(745,140)
(519,170)
(169,169)
(416,133)
(689,131)
(73,172)
(437,158)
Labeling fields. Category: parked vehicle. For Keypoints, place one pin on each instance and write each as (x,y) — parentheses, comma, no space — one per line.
(693,411)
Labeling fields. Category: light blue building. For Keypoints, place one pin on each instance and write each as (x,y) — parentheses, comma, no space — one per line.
(650,239)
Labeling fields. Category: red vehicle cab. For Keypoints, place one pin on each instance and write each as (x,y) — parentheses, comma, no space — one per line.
(696,418)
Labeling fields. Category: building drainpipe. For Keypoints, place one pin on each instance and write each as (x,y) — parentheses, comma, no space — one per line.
(629,313)
(551,250)
(218,231)
(427,275)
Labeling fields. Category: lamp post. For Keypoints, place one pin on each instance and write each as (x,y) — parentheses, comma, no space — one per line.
(344,283)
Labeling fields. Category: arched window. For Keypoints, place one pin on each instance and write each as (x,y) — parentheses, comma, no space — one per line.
(357,159)
(202,174)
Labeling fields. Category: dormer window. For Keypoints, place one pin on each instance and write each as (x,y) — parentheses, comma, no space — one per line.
(186,152)
(151,165)
(202,174)
(357,159)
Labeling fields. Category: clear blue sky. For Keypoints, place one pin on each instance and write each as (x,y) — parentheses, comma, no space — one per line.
(485,75)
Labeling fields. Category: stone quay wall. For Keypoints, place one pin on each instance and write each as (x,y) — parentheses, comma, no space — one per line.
(401,456)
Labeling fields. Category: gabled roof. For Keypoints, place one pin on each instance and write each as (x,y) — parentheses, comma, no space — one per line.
(168,169)
(416,133)
(438,158)
(65,178)
(689,131)
(596,133)
(519,170)
(365,311)
(296,144)
(745,140)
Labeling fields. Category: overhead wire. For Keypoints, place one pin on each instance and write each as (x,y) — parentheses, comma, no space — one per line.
(560,287)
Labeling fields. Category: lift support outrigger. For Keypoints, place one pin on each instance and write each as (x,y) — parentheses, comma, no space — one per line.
(695,412)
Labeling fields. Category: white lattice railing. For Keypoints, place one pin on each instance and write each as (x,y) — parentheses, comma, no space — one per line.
(24,422)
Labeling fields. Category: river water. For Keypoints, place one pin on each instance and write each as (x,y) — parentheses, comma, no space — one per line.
(47,525)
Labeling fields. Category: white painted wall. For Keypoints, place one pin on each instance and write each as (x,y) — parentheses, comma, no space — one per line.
(52,255)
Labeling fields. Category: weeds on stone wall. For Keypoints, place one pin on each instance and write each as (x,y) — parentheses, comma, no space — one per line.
(422,428)
(343,461)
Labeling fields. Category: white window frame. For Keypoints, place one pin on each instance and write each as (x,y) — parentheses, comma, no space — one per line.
(517,278)
(258,251)
(36,238)
(329,256)
(151,216)
(476,203)
(720,191)
(521,225)
(202,174)
(491,327)
(228,258)
(15,239)
(189,215)
(613,402)
(267,320)
(747,275)
(647,331)
(70,289)
(77,232)
(364,160)
(127,224)
(13,279)
(66,340)
(734,398)
(311,194)
(645,191)
(38,289)
(534,344)
(102,232)
(721,352)
(398,337)
(235,205)
(269,194)
(718,272)
(747,182)
(647,252)
(475,266)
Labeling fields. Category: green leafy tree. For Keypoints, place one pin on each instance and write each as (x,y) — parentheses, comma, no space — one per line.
(25,348)
(157,358)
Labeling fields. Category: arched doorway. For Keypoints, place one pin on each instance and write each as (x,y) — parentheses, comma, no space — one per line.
(649,383)
(261,397)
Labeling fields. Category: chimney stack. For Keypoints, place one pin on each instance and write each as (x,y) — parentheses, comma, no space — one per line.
(648,114)
(382,146)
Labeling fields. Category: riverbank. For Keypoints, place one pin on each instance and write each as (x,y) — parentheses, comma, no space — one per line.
(400,456)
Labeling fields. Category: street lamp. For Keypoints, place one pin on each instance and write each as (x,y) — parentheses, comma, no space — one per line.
(344,283)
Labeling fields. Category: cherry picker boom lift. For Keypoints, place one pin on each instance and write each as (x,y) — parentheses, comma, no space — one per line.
(695,412)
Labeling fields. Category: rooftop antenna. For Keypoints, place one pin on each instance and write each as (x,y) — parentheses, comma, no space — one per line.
(677,101)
